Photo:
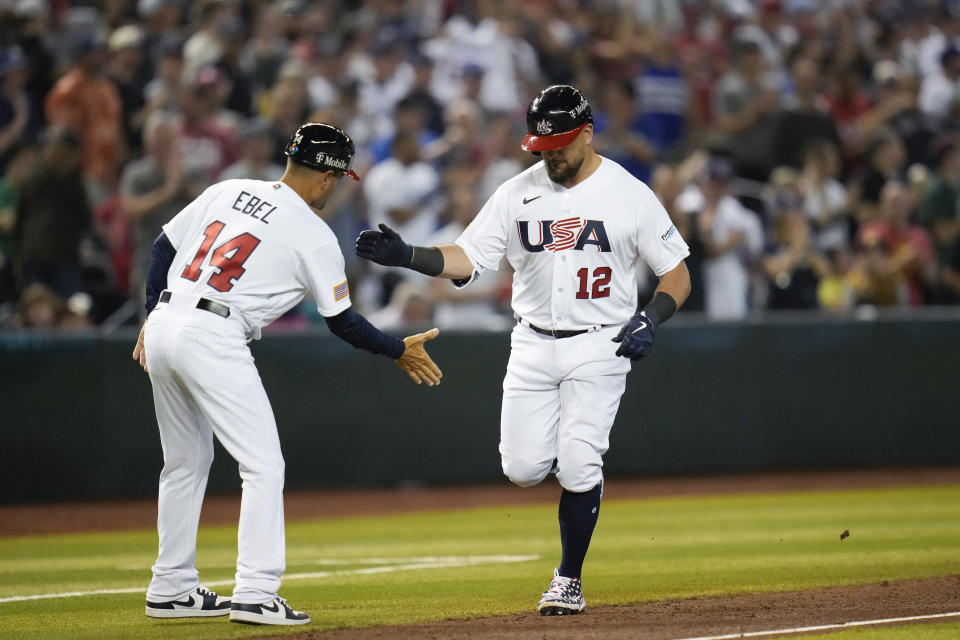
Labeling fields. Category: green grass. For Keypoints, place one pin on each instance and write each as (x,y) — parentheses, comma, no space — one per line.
(642,550)
(908,632)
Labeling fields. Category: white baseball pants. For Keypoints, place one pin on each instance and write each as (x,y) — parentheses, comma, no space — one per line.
(205,384)
(560,398)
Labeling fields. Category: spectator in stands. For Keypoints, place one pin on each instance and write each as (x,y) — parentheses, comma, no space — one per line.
(845,282)
(663,95)
(37,39)
(824,196)
(897,99)
(42,308)
(421,95)
(17,119)
(205,46)
(950,277)
(398,192)
(848,102)
(940,90)
(885,163)
(380,91)
(162,92)
(462,308)
(408,116)
(464,140)
(670,182)
(488,43)
(326,70)
(804,116)
(267,49)
(240,97)
(410,307)
(618,130)
(206,146)
(256,144)
(22,157)
(53,213)
(88,103)
(793,264)
(507,158)
(161,25)
(153,189)
(123,69)
(745,108)
(289,108)
(510,62)
(107,263)
(901,262)
(732,238)
(940,207)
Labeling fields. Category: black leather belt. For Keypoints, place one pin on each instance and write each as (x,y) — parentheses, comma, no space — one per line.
(557,333)
(221,310)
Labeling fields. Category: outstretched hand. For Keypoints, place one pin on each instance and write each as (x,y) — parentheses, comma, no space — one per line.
(139,353)
(415,360)
(384,247)
(636,337)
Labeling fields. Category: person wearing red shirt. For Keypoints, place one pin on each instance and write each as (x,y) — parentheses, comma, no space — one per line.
(86,101)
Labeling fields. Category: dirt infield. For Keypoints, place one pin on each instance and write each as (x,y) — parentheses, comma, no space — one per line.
(663,620)
(22,520)
(694,617)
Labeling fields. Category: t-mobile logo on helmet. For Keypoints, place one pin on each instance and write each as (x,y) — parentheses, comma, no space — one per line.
(330,161)
(577,110)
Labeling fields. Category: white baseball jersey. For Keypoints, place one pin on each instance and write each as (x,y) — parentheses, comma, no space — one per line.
(258,248)
(575,252)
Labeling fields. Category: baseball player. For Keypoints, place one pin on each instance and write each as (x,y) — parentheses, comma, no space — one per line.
(232,261)
(574,227)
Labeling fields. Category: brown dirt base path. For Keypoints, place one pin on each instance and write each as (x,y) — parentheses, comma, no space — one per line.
(693,617)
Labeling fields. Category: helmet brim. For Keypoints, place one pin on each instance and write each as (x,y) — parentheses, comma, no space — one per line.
(549,143)
(352,175)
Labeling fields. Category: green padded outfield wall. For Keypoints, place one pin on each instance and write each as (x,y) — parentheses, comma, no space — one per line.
(77,414)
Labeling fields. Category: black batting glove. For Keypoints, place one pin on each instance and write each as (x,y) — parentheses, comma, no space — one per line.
(384,247)
(636,337)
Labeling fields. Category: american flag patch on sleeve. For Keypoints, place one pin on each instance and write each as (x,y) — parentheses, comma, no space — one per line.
(341,291)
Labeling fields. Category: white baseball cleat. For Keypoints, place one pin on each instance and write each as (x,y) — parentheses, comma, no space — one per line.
(564,597)
(202,603)
(277,611)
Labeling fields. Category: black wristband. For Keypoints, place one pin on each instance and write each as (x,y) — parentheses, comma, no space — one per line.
(427,260)
(661,307)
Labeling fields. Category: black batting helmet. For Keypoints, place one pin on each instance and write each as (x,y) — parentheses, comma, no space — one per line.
(323,147)
(555,117)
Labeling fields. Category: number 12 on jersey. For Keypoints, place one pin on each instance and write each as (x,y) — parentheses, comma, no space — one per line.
(601,283)
(228,258)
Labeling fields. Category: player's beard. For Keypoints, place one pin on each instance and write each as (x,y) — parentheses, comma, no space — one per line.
(562,172)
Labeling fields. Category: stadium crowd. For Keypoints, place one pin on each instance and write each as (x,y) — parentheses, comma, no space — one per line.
(807,150)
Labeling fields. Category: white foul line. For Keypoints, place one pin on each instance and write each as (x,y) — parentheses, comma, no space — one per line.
(443,562)
(825,627)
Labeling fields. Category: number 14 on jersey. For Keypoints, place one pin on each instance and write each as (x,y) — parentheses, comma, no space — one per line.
(228,258)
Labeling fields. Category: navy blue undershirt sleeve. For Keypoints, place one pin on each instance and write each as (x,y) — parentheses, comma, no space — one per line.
(354,329)
(161,257)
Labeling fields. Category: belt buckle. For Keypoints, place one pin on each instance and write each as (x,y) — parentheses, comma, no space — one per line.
(554,332)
